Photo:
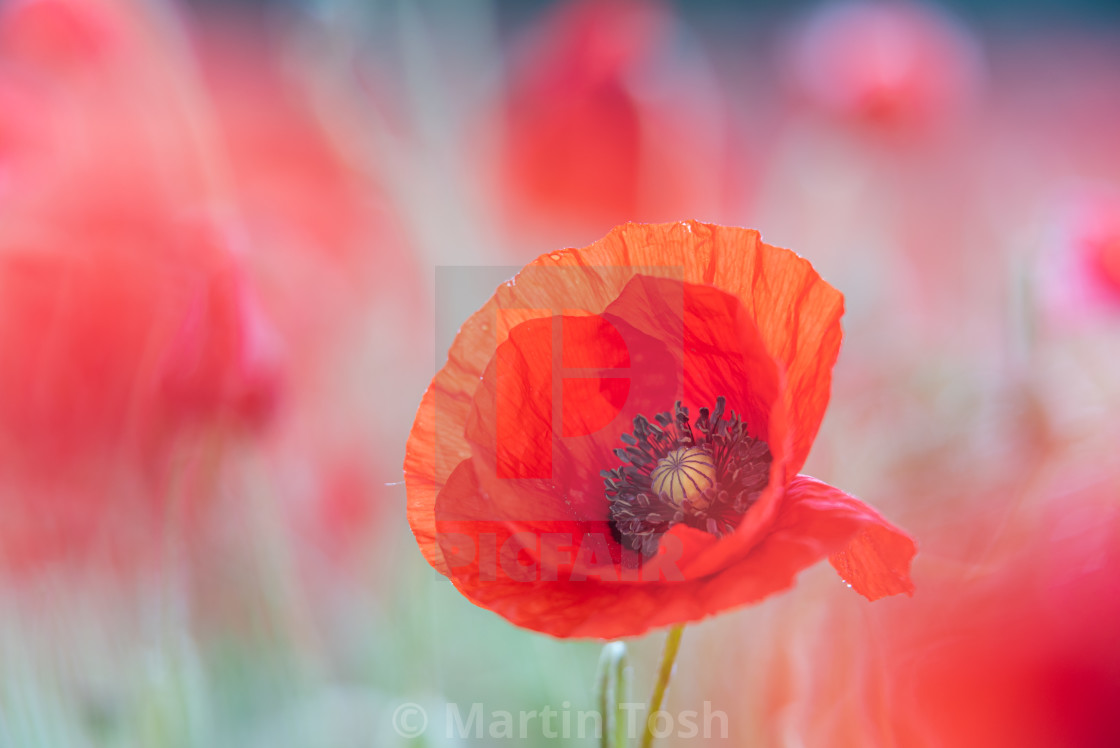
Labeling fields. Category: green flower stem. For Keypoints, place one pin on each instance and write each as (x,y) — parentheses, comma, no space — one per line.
(668,657)
(613,688)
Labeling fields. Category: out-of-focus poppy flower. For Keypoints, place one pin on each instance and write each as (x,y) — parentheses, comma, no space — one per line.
(59,33)
(1015,648)
(608,121)
(897,65)
(614,442)
(129,326)
(146,319)
(155,306)
(122,333)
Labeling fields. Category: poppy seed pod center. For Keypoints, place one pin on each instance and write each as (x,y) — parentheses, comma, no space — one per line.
(706,474)
(684,475)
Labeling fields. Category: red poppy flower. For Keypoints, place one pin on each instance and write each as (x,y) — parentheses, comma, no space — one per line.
(591,114)
(614,442)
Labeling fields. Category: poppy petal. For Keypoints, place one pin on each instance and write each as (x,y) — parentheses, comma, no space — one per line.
(875,557)
(688,343)
(797,315)
(522,572)
(796,312)
(434,443)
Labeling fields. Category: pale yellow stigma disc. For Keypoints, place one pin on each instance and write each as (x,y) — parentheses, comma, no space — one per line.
(684,473)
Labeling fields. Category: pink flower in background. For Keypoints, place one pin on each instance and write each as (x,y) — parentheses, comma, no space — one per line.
(1100,241)
(1080,273)
(892,65)
(1091,240)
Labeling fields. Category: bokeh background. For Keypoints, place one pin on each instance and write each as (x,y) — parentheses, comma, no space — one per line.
(236,239)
